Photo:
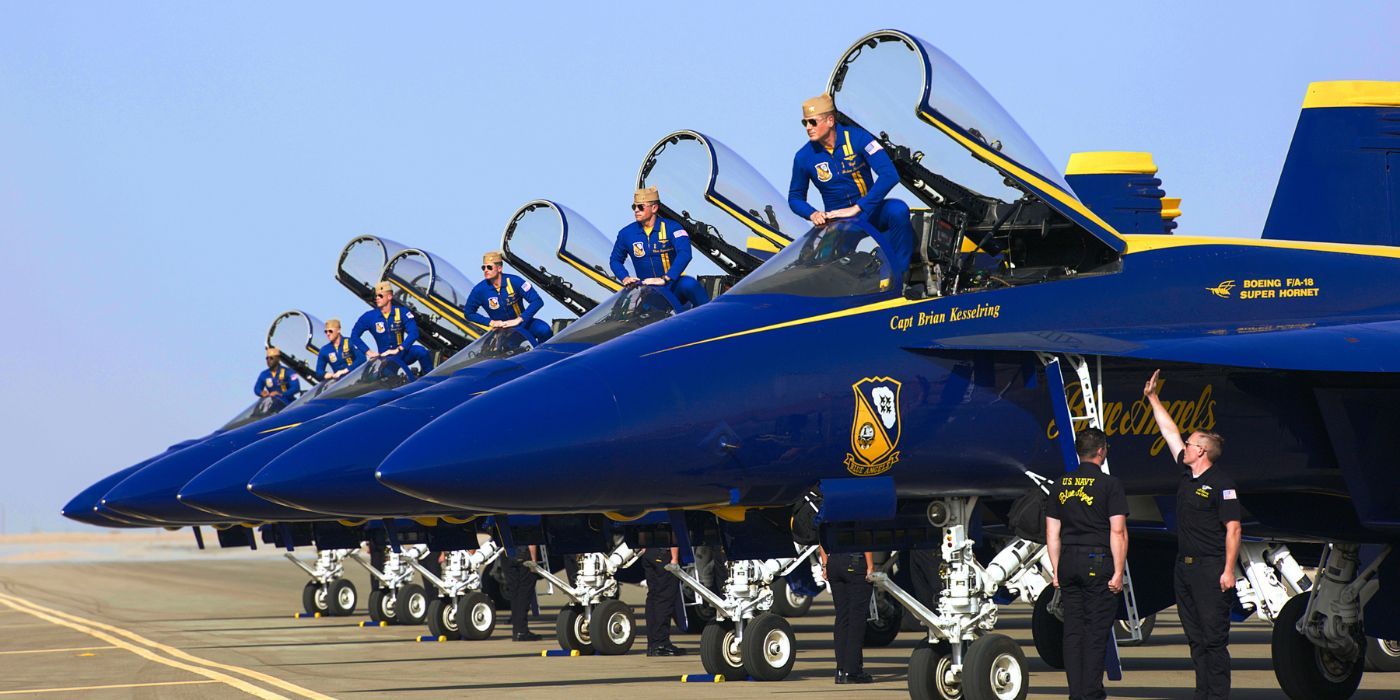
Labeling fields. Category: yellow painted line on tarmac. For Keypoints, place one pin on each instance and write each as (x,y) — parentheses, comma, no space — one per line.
(100,687)
(109,634)
(53,651)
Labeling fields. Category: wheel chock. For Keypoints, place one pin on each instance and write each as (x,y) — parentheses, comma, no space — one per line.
(305,615)
(703,678)
(372,623)
(431,638)
(560,652)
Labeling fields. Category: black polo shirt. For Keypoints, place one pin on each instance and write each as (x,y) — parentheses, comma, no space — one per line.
(1083,502)
(1203,505)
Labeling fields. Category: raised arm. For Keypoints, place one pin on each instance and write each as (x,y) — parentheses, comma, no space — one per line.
(1170,432)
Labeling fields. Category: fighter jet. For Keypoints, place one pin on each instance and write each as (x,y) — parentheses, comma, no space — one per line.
(910,399)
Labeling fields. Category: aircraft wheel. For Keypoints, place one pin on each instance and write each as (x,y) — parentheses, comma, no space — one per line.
(995,668)
(1304,670)
(342,597)
(1048,631)
(572,632)
(612,628)
(1125,636)
(476,615)
(313,599)
(382,605)
(1382,654)
(442,618)
(769,648)
(881,632)
(411,608)
(720,653)
(787,602)
(930,673)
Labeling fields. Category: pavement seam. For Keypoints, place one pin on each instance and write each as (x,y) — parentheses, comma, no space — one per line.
(36,691)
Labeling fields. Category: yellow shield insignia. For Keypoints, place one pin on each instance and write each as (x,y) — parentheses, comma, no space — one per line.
(876,427)
(824,172)
(639,250)
(494,303)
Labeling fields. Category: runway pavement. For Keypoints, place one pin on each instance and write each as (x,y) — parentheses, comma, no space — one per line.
(219,628)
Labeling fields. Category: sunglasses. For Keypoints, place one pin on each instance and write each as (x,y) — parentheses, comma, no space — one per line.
(329,331)
(489,266)
(810,122)
(638,207)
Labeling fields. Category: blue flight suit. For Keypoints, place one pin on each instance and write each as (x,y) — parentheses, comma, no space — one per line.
(281,381)
(397,330)
(844,178)
(349,353)
(663,251)
(516,298)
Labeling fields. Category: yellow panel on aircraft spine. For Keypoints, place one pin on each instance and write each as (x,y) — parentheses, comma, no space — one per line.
(760,243)
(1111,163)
(1352,93)
(1171,207)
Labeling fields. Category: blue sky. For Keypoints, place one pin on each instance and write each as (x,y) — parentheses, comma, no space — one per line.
(173,175)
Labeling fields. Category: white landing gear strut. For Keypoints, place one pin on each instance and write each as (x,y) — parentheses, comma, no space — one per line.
(328,592)
(595,620)
(461,610)
(397,600)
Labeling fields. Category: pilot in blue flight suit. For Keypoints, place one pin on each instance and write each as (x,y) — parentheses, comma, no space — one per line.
(839,160)
(277,381)
(394,329)
(509,300)
(341,354)
(659,249)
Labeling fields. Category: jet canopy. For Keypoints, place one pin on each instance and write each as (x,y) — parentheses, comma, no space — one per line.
(361,262)
(838,260)
(296,333)
(259,410)
(734,216)
(561,253)
(496,344)
(437,294)
(957,148)
(373,375)
(630,309)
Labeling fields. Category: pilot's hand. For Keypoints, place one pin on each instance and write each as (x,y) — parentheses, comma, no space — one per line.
(394,351)
(844,212)
(629,280)
(1227,581)
(1150,388)
(330,375)
(496,324)
(654,281)
(511,323)
(818,218)
(1115,584)
(869,576)
(1055,578)
(372,355)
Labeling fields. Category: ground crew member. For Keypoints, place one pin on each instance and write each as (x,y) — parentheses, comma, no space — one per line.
(854,174)
(659,249)
(1086,531)
(520,590)
(662,591)
(509,300)
(849,576)
(276,381)
(340,354)
(1208,544)
(394,329)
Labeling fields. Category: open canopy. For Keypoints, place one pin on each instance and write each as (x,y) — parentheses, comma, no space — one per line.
(561,253)
(437,294)
(730,211)
(361,261)
(296,333)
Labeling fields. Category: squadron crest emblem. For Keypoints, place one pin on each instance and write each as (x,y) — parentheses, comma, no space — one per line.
(639,250)
(494,303)
(824,172)
(876,427)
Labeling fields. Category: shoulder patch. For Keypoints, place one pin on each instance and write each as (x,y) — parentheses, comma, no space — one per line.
(525,287)
(1228,494)
(680,233)
(873,147)
(408,315)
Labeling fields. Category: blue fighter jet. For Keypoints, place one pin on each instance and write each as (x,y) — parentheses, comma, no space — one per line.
(909,398)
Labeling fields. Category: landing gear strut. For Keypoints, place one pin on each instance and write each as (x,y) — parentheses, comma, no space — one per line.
(595,620)
(461,610)
(397,600)
(328,592)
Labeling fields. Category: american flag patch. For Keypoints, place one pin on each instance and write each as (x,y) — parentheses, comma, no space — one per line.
(1228,494)
(872,147)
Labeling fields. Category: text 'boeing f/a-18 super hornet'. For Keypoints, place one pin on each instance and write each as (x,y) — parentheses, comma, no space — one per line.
(913,400)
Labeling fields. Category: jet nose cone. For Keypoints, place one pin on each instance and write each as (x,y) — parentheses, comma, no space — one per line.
(150,493)
(531,445)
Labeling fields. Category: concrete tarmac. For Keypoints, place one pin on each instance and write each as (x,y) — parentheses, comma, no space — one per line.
(219,628)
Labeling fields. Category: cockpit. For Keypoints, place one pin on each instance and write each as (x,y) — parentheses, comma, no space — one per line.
(843,259)
(374,375)
(995,211)
(294,333)
(632,308)
(496,344)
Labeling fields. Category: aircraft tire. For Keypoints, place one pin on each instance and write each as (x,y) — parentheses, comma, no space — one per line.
(382,606)
(928,673)
(719,653)
(769,648)
(411,607)
(612,627)
(442,618)
(476,615)
(1305,671)
(787,602)
(1048,631)
(313,599)
(1382,655)
(882,632)
(1125,637)
(571,631)
(341,596)
(994,668)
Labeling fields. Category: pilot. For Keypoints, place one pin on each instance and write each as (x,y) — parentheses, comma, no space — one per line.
(849,576)
(340,354)
(854,174)
(662,591)
(659,249)
(394,329)
(1086,532)
(1208,544)
(276,381)
(509,300)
